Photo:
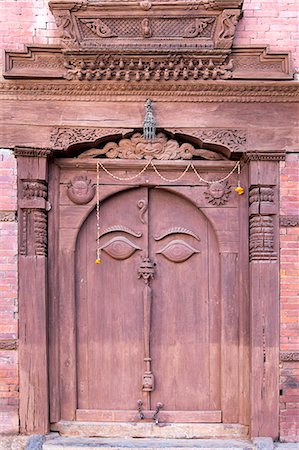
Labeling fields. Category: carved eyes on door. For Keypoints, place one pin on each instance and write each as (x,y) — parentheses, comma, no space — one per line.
(120,248)
(178,251)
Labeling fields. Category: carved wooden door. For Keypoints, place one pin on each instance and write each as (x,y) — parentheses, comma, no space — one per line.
(148,317)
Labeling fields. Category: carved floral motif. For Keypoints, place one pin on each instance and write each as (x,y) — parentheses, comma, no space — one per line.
(159,148)
(64,137)
(218,193)
(197,27)
(80,190)
(98,27)
(234,139)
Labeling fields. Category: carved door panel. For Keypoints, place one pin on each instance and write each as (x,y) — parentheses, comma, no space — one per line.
(109,310)
(185,315)
(131,328)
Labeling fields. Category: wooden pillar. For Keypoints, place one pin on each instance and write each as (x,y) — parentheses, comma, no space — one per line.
(264,291)
(33,349)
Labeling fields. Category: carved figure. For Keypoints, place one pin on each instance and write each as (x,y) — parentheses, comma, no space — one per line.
(229,22)
(80,190)
(65,25)
(98,27)
(197,27)
(146,28)
(218,193)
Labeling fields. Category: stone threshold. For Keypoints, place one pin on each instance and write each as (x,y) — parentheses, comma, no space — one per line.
(72,443)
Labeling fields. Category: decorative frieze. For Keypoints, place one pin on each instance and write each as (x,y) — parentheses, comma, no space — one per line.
(62,138)
(289,356)
(137,147)
(147,68)
(8,216)
(289,221)
(234,139)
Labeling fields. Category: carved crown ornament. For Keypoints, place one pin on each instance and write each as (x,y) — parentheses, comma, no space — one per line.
(147,41)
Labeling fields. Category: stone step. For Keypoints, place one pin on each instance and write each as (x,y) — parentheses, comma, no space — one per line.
(78,443)
(150,430)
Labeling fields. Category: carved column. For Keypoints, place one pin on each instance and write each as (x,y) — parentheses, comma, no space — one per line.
(33,208)
(264,291)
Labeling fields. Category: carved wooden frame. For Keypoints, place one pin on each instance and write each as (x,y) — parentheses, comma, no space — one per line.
(261,344)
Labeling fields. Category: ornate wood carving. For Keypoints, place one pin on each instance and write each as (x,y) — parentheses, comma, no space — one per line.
(8,216)
(234,139)
(227,24)
(33,218)
(289,221)
(289,356)
(160,148)
(264,156)
(262,207)
(8,344)
(32,152)
(219,92)
(62,138)
(120,248)
(136,68)
(142,205)
(80,190)
(51,62)
(177,251)
(218,193)
(261,235)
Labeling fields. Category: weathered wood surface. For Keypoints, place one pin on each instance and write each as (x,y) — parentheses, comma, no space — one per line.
(33,344)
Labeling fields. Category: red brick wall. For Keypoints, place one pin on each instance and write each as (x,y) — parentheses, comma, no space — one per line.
(289,300)
(8,295)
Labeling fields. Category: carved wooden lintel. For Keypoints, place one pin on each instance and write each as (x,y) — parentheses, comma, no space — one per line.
(289,356)
(176,66)
(8,344)
(289,221)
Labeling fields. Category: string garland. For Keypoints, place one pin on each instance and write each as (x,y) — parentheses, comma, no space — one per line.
(239,190)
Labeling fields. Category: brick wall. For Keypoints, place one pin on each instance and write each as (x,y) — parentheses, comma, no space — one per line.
(8,295)
(289,304)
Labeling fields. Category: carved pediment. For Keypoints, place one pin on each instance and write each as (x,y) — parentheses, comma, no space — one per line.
(147,41)
(198,24)
(159,148)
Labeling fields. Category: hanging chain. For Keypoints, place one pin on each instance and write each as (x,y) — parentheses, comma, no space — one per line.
(190,165)
(98,257)
(169,180)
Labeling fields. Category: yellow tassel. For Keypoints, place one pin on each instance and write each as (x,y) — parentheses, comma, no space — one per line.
(98,261)
(239,190)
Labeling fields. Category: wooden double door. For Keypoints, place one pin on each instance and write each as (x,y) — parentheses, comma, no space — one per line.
(148,318)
